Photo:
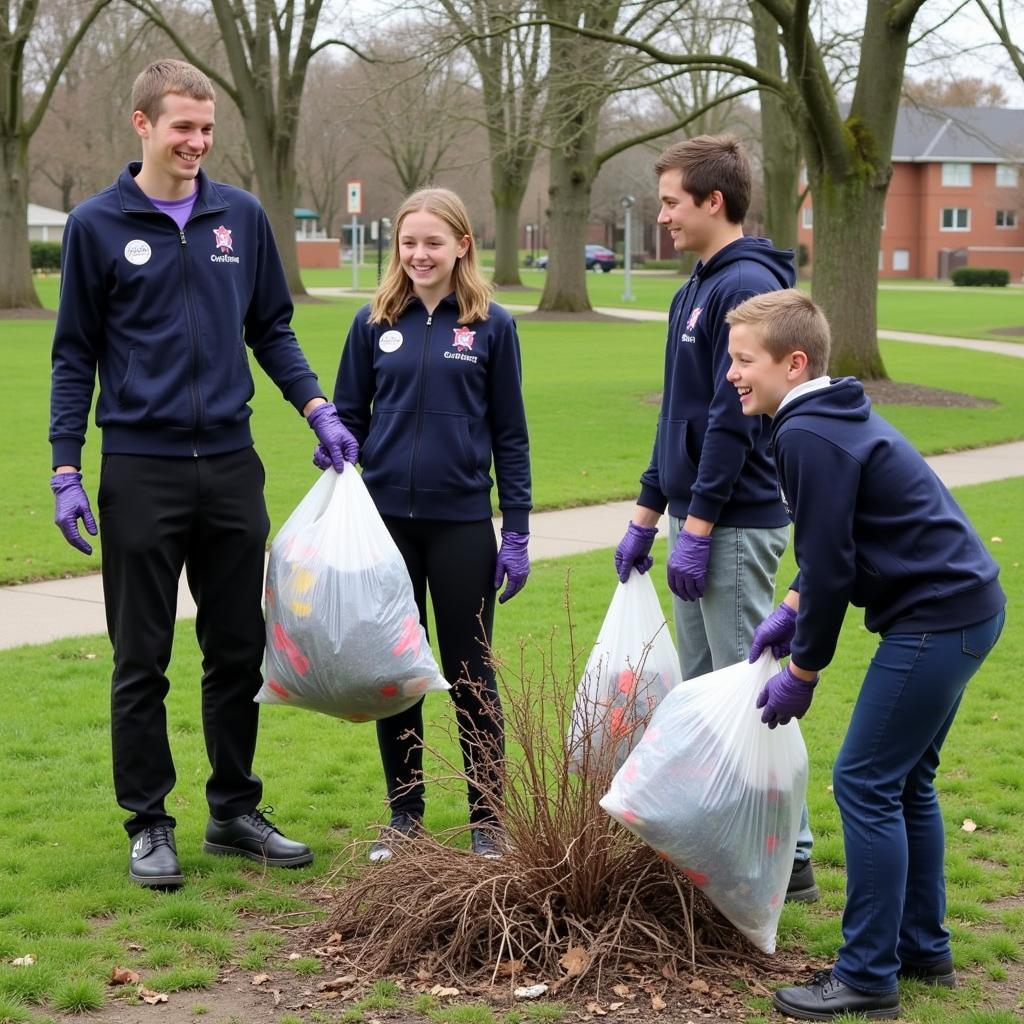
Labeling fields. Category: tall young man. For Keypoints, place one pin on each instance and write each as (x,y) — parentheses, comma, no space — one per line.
(167,276)
(710,465)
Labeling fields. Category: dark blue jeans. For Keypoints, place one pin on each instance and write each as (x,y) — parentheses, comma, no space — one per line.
(883,781)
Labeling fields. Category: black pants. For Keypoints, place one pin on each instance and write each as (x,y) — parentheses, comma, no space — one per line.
(456,561)
(156,516)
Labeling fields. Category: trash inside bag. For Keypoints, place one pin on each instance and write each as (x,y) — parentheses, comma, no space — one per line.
(632,666)
(719,794)
(343,631)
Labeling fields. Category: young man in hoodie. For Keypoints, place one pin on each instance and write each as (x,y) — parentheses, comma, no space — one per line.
(875,528)
(166,277)
(710,466)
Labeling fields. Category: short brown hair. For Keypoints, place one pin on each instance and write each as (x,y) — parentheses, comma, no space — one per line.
(161,77)
(788,321)
(708,163)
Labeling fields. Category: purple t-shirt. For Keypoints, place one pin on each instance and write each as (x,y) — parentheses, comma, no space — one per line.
(179,210)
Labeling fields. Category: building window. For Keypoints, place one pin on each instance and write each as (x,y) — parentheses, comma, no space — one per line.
(956,218)
(1006,218)
(901,259)
(956,175)
(807,217)
(881,260)
(1007,176)
(803,176)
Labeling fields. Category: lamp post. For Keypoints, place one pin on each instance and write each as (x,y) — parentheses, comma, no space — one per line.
(529,245)
(628,203)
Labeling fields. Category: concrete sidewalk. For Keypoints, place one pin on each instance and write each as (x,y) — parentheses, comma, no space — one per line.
(37,613)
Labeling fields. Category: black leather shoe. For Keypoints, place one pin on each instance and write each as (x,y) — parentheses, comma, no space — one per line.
(941,974)
(802,888)
(825,997)
(251,835)
(153,860)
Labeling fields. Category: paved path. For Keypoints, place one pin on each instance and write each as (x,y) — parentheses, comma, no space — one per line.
(36,613)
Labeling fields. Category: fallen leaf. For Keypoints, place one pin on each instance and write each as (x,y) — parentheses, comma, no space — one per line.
(530,991)
(657,1003)
(135,947)
(123,976)
(443,992)
(423,974)
(616,1006)
(596,1009)
(508,968)
(699,985)
(575,960)
(997,540)
(334,938)
(294,956)
(995,718)
(968,826)
(151,997)
(24,961)
(336,984)
(258,979)
(622,991)
(669,972)
(329,994)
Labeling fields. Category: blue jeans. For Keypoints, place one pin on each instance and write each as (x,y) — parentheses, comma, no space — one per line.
(739,595)
(883,782)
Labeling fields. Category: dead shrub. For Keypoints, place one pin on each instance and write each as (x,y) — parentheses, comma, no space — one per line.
(576,898)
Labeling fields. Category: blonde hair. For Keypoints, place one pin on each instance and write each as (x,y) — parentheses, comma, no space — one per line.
(787,321)
(161,77)
(471,290)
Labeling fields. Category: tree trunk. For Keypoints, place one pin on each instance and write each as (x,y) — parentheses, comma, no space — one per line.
(780,145)
(571,176)
(508,200)
(16,288)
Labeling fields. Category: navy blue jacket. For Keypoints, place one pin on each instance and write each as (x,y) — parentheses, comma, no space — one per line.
(429,402)
(873,527)
(709,459)
(165,315)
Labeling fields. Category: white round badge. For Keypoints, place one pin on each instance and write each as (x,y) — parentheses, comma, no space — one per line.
(390,341)
(137,251)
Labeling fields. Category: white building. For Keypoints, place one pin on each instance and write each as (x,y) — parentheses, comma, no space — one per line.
(44,224)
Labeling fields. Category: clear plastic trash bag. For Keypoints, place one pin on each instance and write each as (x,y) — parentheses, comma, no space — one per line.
(632,666)
(343,631)
(719,794)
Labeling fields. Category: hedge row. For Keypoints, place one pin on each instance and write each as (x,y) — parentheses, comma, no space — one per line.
(45,255)
(976,276)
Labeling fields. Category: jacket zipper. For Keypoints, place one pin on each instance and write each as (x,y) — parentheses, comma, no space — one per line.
(193,330)
(419,415)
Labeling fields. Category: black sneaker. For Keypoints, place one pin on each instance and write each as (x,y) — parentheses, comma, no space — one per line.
(489,841)
(940,975)
(802,887)
(402,828)
(153,860)
(825,997)
(251,835)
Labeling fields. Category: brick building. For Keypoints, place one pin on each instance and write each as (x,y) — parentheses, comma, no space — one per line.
(956,197)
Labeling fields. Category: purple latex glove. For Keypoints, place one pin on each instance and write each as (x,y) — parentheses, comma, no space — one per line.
(775,632)
(634,550)
(513,562)
(321,459)
(338,443)
(72,504)
(688,566)
(785,697)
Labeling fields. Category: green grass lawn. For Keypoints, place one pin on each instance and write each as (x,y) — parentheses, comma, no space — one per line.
(65,897)
(589,391)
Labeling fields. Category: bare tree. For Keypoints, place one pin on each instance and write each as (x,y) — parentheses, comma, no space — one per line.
(21,112)
(269,46)
(995,13)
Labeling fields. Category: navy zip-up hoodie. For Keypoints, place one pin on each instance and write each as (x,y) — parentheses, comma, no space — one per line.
(873,527)
(430,401)
(165,315)
(709,459)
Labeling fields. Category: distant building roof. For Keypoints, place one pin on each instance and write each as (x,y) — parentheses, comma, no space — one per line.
(974,134)
(42,216)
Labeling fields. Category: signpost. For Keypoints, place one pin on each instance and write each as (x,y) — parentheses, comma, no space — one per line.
(627,263)
(354,206)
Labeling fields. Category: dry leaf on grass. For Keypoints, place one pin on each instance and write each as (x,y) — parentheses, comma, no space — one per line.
(259,979)
(616,1006)
(443,992)
(699,985)
(24,961)
(149,996)
(622,991)
(575,960)
(969,826)
(123,976)
(337,984)
(510,968)
(294,956)
(657,1003)
(596,1009)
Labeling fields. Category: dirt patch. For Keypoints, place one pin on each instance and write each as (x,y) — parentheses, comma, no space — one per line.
(24,313)
(587,316)
(894,392)
(1010,332)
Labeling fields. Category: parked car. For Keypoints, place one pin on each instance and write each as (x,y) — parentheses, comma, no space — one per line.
(597,257)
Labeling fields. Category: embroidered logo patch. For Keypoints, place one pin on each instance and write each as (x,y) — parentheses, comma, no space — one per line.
(694,315)
(463,339)
(222,239)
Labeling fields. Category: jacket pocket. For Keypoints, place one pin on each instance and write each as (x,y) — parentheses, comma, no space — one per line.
(677,464)
(452,456)
(976,641)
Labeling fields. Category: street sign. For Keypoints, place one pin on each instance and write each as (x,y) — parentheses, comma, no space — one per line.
(355,197)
